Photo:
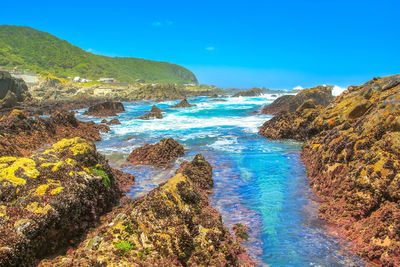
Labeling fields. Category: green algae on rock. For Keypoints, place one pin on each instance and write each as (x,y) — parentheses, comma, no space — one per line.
(173,225)
(48,200)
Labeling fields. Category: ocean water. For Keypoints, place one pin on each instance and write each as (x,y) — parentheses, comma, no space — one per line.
(258,182)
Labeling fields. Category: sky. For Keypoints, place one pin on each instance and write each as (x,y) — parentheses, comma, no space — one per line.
(242,44)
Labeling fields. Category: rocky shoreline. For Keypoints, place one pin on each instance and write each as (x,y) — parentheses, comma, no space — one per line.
(352,155)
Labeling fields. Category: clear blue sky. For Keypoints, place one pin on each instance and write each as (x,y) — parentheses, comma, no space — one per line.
(277,44)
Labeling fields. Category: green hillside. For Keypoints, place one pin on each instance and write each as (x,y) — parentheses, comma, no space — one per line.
(44,53)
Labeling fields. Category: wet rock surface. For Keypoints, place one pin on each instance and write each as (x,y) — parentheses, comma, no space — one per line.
(20,134)
(173,225)
(50,199)
(353,160)
(12,90)
(105,109)
(320,95)
(113,122)
(155,112)
(183,104)
(159,155)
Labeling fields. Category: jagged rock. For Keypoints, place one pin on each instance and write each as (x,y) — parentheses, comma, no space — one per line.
(321,95)
(104,121)
(105,109)
(12,90)
(20,134)
(353,160)
(241,231)
(113,122)
(160,154)
(50,199)
(250,92)
(183,104)
(173,225)
(155,112)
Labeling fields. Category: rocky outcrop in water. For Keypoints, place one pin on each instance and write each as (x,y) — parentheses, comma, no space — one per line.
(114,122)
(160,154)
(320,95)
(50,199)
(105,109)
(250,92)
(353,163)
(12,90)
(183,104)
(20,134)
(292,125)
(155,112)
(173,225)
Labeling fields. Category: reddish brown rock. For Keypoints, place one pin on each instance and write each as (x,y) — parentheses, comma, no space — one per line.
(155,112)
(250,92)
(114,122)
(173,225)
(160,154)
(320,95)
(183,104)
(21,135)
(352,156)
(106,109)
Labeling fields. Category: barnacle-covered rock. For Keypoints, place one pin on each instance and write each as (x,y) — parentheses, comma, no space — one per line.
(48,200)
(173,225)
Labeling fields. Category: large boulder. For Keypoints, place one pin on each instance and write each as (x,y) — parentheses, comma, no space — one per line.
(183,104)
(320,95)
(160,154)
(50,199)
(105,109)
(250,92)
(12,90)
(173,225)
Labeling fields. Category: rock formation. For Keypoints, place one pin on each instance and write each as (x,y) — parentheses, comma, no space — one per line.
(160,154)
(12,90)
(48,200)
(353,162)
(20,134)
(183,104)
(250,92)
(105,109)
(320,95)
(173,225)
(114,122)
(155,112)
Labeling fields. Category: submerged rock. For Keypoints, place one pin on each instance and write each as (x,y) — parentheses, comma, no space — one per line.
(105,109)
(12,90)
(20,134)
(48,200)
(173,225)
(160,154)
(320,95)
(250,92)
(183,104)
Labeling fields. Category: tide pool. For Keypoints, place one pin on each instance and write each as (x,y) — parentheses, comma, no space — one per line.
(258,182)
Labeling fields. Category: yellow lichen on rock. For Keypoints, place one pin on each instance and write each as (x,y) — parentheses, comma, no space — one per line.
(77,145)
(35,208)
(27,165)
(56,190)
(41,190)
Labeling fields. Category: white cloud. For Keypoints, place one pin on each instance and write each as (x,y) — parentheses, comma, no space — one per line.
(338,90)
(162,23)
(210,48)
(90,50)
(157,24)
(298,88)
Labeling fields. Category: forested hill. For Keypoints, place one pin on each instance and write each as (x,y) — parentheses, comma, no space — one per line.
(44,53)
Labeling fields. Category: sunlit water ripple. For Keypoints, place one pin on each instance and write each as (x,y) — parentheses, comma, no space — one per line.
(258,182)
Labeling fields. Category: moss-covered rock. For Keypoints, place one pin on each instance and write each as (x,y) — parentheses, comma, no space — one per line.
(48,200)
(173,225)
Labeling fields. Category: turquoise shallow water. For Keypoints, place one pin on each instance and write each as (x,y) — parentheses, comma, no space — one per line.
(258,182)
